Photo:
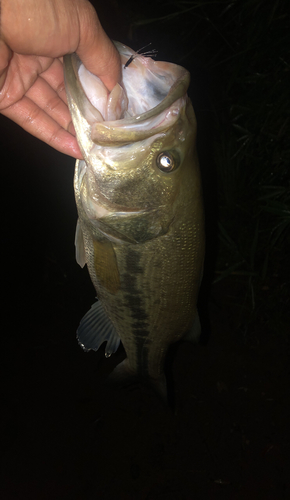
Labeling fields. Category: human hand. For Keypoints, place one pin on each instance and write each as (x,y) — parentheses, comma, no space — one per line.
(35,34)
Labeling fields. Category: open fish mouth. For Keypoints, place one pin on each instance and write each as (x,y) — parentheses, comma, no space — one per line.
(148,105)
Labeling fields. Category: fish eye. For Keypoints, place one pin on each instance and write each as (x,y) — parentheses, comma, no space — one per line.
(166,161)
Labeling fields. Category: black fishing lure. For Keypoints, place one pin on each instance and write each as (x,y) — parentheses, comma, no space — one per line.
(148,53)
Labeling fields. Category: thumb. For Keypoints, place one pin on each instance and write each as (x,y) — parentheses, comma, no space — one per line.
(97,52)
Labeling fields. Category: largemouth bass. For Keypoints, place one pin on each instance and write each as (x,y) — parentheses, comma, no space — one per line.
(138,194)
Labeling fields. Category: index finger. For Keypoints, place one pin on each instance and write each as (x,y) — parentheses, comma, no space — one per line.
(37,122)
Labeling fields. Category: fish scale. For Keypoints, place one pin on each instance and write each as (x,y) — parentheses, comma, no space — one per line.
(141,223)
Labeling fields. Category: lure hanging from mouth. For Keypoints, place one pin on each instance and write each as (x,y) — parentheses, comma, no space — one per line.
(149,53)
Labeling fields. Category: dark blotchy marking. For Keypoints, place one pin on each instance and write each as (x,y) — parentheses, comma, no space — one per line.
(133,300)
(130,280)
(133,262)
(140,315)
(140,326)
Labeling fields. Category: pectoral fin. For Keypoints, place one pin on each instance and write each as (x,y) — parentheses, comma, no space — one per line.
(106,266)
(96,328)
(80,246)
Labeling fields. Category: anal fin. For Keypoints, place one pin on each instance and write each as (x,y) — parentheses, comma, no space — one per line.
(194,333)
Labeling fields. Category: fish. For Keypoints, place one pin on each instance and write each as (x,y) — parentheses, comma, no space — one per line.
(140,227)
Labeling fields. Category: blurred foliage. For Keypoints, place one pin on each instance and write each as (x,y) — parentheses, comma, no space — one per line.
(245,47)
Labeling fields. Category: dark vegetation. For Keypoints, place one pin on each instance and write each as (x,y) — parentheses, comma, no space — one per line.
(65,434)
(239,54)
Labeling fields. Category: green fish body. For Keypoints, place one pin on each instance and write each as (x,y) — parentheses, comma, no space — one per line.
(139,199)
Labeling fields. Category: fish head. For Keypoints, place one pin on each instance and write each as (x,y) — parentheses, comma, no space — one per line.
(137,142)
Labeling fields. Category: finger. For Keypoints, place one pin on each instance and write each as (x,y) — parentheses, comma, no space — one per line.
(103,60)
(49,101)
(5,56)
(38,123)
(22,74)
(97,52)
(54,77)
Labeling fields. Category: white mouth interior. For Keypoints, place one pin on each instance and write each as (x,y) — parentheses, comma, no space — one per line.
(142,89)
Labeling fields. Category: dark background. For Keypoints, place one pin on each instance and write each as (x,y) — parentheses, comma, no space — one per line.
(64,433)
